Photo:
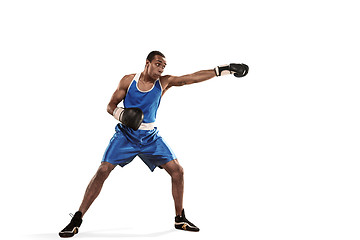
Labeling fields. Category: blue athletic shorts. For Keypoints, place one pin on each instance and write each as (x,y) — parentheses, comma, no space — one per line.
(126,144)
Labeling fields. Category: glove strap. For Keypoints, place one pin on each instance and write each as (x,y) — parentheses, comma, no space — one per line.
(117,113)
(222,70)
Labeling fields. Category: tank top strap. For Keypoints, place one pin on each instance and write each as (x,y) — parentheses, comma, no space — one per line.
(137,77)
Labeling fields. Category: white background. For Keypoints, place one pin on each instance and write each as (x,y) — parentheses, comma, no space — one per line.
(274,155)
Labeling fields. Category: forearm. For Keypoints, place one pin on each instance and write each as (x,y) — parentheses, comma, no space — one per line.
(196,77)
(202,75)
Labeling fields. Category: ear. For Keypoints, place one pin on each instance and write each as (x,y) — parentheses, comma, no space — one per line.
(147,63)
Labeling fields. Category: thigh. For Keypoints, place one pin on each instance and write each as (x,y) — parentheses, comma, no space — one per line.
(120,150)
(156,154)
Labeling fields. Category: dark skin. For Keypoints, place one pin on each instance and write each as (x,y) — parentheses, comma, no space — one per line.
(153,71)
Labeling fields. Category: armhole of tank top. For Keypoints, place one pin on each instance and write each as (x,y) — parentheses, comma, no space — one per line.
(136,78)
(160,86)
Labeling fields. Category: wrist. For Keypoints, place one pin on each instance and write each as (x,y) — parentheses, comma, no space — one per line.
(222,70)
(117,113)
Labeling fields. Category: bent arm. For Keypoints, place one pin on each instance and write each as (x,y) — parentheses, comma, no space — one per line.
(119,94)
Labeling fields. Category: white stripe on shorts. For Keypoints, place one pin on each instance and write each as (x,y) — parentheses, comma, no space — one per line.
(147,126)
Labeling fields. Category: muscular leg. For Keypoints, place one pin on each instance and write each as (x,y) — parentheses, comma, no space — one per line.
(95,185)
(177,179)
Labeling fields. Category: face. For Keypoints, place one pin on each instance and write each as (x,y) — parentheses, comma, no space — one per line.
(156,67)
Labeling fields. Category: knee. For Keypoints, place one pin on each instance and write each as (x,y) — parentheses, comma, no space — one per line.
(103,171)
(178,174)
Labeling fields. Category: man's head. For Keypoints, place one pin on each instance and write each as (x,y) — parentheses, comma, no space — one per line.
(152,54)
(155,64)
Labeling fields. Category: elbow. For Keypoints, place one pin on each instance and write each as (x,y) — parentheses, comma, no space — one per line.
(110,108)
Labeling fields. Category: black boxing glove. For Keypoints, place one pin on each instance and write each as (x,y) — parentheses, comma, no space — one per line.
(130,117)
(238,69)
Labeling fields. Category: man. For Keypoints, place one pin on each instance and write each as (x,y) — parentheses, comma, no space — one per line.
(136,134)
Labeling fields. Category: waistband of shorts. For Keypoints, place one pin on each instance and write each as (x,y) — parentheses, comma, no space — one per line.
(147,126)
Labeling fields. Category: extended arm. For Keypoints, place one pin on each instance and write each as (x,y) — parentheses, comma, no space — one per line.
(196,77)
(239,70)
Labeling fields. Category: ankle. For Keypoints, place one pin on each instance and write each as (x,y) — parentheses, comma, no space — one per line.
(180,213)
(78,214)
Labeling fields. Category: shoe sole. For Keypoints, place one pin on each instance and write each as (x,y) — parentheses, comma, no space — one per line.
(69,234)
(186,227)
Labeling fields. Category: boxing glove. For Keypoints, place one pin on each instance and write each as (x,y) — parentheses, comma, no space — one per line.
(238,69)
(130,117)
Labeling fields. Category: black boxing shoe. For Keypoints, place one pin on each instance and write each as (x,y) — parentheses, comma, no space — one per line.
(182,223)
(73,227)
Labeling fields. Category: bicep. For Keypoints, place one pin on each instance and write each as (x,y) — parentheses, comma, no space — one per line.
(118,96)
(120,91)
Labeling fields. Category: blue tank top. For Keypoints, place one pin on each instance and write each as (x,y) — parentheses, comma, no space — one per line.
(147,101)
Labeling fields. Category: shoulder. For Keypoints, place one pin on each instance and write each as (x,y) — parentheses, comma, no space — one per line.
(126,80)
(169,80)
(166,79)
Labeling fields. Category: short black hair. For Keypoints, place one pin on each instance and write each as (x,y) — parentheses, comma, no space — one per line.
(152,55)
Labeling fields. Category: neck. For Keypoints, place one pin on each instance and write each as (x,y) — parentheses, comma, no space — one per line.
(146,77)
